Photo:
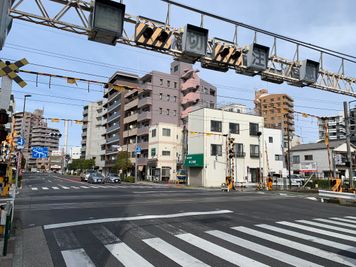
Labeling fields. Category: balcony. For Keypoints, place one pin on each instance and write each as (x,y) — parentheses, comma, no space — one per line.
(143,130)
(144,116)
(113,106)
(113,117)
(131,104)
(131,118)
(113,128)
(113,139)
(143,145)
(131,132)
(144,101)
(254,155)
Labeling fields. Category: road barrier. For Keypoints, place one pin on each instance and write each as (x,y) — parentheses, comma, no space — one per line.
(5,221)
(324,194)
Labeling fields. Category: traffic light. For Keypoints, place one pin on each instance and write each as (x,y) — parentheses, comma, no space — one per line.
(225,52)
(5,20)
(194,41)
(257,57)
(4,118)
(309,71)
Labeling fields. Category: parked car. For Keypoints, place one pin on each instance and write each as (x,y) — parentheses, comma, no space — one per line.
(112,178)
(85,175)
(95,178)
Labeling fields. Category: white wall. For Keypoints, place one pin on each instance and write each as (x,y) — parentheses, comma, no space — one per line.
(215,171)
(273,149)
(75,152)
(172,143)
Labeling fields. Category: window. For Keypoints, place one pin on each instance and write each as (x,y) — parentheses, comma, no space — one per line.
(253,129)
(215,126)
(174,113)
(239,150)
(167,111)
(278,157)
(234,128)
(216,150)
(308,157)
(270,139)
(168,83)
(254,151)
(175,98)
(175,84)
(153,133)
(212,92)
(166,153)
(296,159)
(166,132)
(160,81)
(212,105)
(168,97)
(160,96)
(206,91)
(153,152)
(160,110)
(175,68)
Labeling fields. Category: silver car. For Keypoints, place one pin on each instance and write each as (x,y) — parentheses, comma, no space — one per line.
(112,178)
(95,178)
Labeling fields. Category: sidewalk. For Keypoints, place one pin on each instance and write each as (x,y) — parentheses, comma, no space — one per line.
(27,248)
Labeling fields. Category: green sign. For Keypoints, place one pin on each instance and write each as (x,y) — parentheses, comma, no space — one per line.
(194,160)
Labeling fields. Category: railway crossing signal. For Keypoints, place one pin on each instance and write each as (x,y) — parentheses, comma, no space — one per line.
(10,69)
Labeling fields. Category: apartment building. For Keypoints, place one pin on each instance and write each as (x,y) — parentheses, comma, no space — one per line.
(277,111)
(75,152)
(36,133)
(159,98)
(165,151)
(93,130)
(335,126)
(207,159)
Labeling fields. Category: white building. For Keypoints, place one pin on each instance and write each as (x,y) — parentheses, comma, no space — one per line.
(313,158)
(165,151)
(273,144)
(92,132)
(208,130)
(239,108)
(75,152)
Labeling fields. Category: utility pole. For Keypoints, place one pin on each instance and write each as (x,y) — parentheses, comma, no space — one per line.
(348,142)
(259,158)
(289,163)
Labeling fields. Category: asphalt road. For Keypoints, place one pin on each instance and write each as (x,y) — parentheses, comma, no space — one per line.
(158,225)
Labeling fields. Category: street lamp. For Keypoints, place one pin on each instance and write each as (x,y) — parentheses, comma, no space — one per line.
(127,146)
(23,114)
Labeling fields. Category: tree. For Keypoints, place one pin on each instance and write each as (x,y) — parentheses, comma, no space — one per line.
(123,162)
(82,164)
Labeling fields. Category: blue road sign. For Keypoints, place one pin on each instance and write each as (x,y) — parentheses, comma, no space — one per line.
(138,150)
(20,141)
(39,152)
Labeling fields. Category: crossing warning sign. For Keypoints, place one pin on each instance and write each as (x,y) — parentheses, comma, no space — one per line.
(11,69)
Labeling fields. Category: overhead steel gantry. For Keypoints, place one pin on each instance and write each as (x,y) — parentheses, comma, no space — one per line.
(74,16)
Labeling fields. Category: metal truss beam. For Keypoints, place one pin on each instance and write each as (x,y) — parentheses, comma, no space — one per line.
(279,69)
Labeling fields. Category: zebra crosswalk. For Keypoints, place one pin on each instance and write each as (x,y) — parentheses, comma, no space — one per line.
(72,187)
(282,243)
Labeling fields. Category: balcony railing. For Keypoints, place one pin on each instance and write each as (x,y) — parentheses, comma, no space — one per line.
(130,132)
(131,118)
(113,117)
(144,116)
(143,130)
(113,106)
(113,128)
(131,104)
(254,155)
(145,101)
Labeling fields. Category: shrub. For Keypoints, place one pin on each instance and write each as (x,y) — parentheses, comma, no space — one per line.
(129,179)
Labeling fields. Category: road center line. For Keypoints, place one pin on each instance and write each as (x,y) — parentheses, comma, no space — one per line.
(135,218)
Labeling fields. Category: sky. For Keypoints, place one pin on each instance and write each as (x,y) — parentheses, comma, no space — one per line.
(331,24)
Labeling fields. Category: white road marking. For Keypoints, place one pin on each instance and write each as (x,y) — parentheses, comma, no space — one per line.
(311,238)
(319,231)
(298,246)
(350,217)
(77,258)
(34,188)
(64,187)
(127,256)
(136,218)
(94,186)
(344,220)
(74,187)
(218,251)
(173,253)
(312,198)
(151,192)
(328,226)
(278,255)
(104,235)
(83,186)
(44,188)
(337,223)
(55,187)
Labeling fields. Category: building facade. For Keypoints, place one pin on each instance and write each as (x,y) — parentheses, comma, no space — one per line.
(75,152)
(335,126)
(274,152)
(313,158)
(93,130)
(158,98)
(207,159)
(36,134)
(277,111)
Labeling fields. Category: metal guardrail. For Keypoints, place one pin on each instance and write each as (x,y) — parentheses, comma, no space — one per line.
(336,195)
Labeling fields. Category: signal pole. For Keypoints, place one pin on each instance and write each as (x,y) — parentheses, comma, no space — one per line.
(348,141)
